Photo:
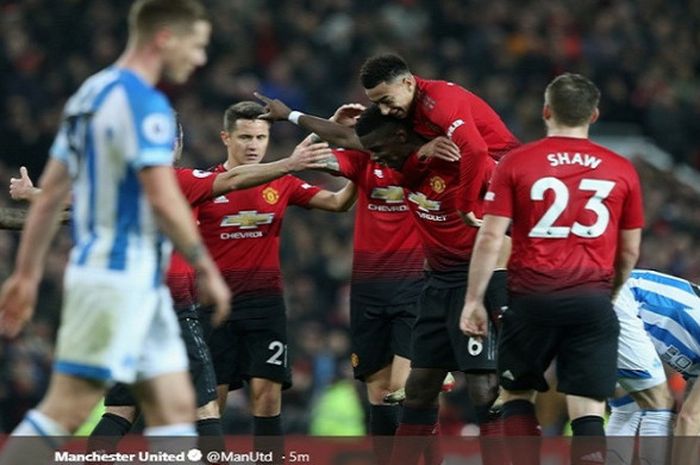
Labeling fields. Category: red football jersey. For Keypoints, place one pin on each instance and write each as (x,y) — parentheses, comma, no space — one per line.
(181,278)
(242,231)
(568,199)
(387,266)
(446,109)
(433,191)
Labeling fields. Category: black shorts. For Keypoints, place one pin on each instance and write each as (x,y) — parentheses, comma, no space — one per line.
(200,365)
(437,341)
(581,331)
(254,347)
(377,334)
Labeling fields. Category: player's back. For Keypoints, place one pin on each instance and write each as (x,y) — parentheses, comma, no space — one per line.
(670,309)
(569,198)
(113,126)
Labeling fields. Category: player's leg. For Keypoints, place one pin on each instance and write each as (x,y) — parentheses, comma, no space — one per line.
(95,337)
(268,373)
(642,375)
(687,430)
(432,357)
(525,350)
(587,370)
(120,413)
(201,371)
(164,386)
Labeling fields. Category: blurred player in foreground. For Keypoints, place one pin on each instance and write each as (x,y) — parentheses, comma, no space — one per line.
(197,186)
(576,212)
(114,149)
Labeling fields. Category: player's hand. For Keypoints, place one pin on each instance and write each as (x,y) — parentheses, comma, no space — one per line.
(440,147)
(348,114)
(22,188)
(214,290)
(310,155)
(275,109)
(474,320)
(470,219)
(17,301)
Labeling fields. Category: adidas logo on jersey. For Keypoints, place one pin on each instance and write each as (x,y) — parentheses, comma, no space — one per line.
(508,375)
(221,199)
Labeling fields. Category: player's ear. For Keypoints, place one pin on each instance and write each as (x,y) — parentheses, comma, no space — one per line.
(410,82)
(546,112)
(225,137)
(163,37)
(594,116)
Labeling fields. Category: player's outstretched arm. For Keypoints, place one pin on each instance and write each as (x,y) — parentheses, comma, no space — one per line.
(332,132)
(627,256)
(175,219)
(488,247)
(306,155)
(340,201)
(22,188)
(18,294)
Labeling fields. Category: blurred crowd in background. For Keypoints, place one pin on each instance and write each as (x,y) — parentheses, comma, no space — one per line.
(643,54)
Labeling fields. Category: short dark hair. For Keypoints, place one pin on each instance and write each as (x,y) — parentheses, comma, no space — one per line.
(146,16)
(573,99)
(372,119)
(241,110)
(382,68)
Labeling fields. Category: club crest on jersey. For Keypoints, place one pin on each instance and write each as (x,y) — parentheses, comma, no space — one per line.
(355,360)
(249,219)
(423,202)
(271,195)
(379,173)
(438,184)
(389,194)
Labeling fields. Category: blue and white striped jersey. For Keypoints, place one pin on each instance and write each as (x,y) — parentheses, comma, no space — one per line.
(670,309)
(113,126)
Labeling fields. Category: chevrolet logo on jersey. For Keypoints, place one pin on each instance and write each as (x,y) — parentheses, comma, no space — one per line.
(250,219)
(390,194)
(424,203)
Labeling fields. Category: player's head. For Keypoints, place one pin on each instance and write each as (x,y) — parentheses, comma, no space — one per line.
(389,83)
(178,31)
(245,135)
(571,100)
(385,137)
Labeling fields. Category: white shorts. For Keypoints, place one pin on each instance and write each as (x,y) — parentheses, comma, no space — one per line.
(638,365)
(117,328)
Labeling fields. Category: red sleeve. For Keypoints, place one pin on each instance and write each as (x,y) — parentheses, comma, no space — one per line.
(633,209)
(453,114)
(499,198)
(301,191)
(197,185)
(351,162)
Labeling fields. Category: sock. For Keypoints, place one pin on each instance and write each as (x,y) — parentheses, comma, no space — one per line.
(171,439)
(432,454)
(621,430)
(107,433)
(211,437)
(267,437)
(655,436)
(490,436)
(588,446)
(414,422)
(519,420)
(383,421)
(36,424)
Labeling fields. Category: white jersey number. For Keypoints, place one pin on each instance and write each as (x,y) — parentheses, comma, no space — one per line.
(601,190)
